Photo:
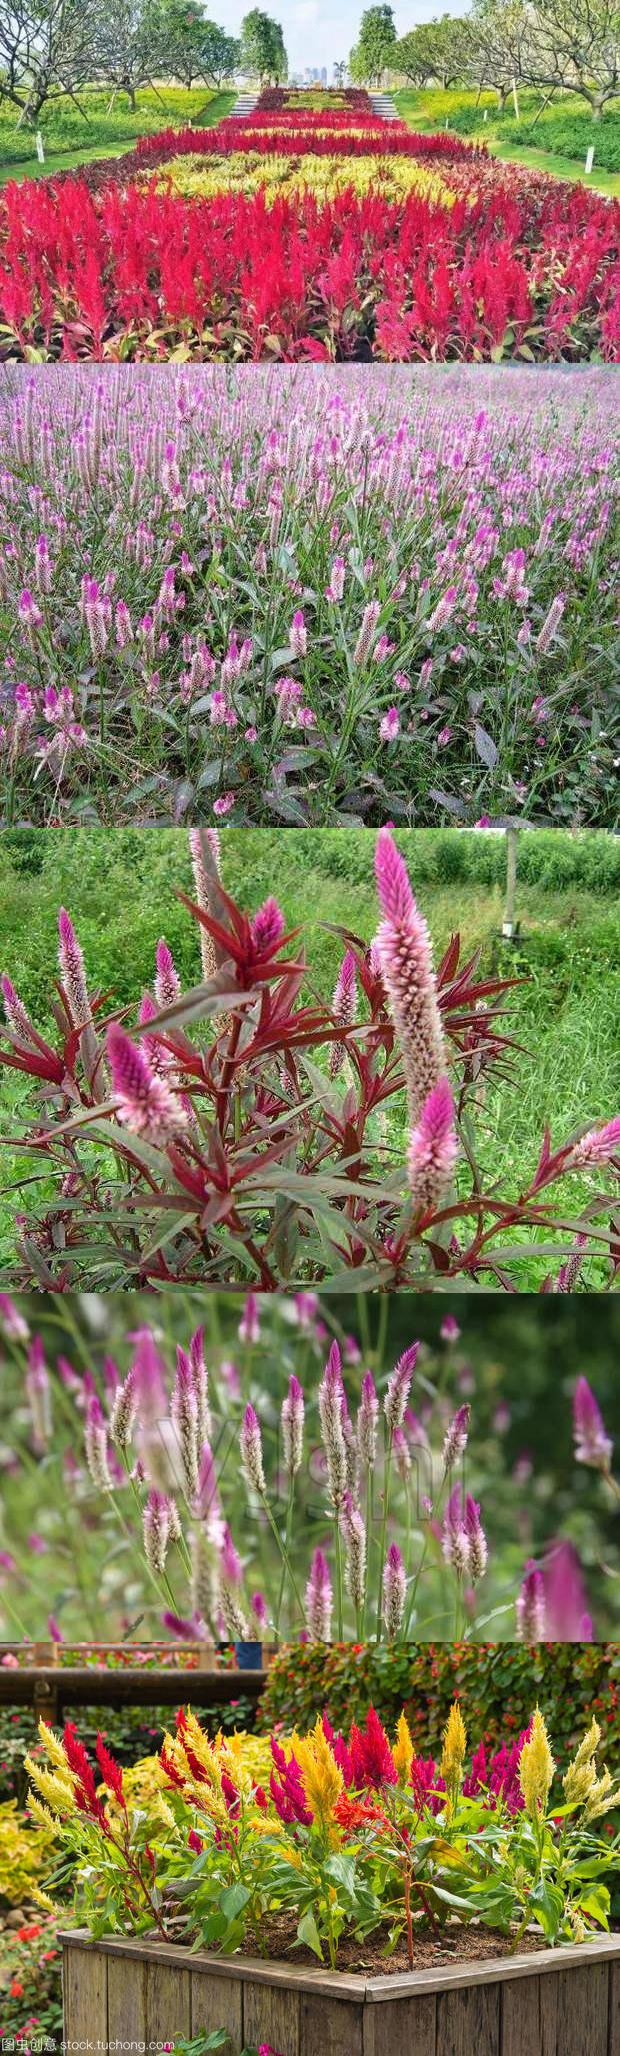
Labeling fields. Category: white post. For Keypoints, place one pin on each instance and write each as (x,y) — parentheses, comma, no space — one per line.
(508,923)
(38,144)
(515,98)
(589,160)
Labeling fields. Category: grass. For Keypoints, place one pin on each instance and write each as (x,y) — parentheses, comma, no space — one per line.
(119,889)
(69,140)
(432,109)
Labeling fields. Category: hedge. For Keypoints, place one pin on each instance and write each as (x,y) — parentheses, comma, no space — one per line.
(498,1684)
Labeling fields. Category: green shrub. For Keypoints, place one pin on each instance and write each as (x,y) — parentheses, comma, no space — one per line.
(497,1685)
(568,135)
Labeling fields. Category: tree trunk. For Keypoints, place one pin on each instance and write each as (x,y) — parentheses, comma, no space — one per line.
(502,96)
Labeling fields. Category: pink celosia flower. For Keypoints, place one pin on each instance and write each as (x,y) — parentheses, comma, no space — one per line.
(433,1148)
(592,1443)
(251,1452)
(399,1387)
(145,1104)
(404,948)
(367,1422)
(456,1437)
(599,1145)
(96,1445)
(344,1007)
(530,1607)
(319,1598)
(167,981)
(292,1423)
(394,1592)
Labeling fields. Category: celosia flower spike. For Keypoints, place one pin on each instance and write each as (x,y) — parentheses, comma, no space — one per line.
(433,1149)
(404,949)
(252,1452)
(592,1443)
(319,1599)
(145,1103)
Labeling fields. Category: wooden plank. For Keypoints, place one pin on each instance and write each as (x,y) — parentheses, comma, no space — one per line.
(493,1970)
(402,2027)
(614,2010)
(520,2017)
(272,2015)
(468,2022)
(549,1989)
(127,2000)
(167,2002)
(217,2002)
(330,2027)
(582,2011)
(85,1993)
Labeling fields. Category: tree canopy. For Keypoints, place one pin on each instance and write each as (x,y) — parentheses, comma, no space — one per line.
(262,46)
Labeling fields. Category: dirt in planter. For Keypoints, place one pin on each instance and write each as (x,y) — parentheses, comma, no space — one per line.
(453,1944)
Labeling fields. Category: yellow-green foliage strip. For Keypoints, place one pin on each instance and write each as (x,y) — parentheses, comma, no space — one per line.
(250,172)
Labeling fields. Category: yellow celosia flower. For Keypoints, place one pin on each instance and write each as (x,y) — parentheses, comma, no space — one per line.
(42,1813)
(55,1748)
(403,1751)
(321,1776)
(453,1752)
(588,1747)
(581,1774)
(602,1796)
(536,1768)
(56,1789)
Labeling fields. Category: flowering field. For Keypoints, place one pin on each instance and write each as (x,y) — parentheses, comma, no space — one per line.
(309,597)
(299,235)
(417,1498)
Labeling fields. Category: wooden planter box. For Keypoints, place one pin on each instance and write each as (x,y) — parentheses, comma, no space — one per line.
(135,1995)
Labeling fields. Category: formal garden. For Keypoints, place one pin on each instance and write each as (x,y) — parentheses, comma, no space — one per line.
(309,597)
(307,236)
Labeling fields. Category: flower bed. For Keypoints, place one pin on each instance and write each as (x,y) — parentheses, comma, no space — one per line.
(353,1838)
(218,1139)
(516,263)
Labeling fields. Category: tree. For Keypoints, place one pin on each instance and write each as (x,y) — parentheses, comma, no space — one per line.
(219,57)
(575,44)
(375,46)
(129,44)
(46,50)
(195,48)
(433,50)
(262,47)
(498,33)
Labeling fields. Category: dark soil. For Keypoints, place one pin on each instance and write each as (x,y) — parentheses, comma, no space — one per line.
(452,1944)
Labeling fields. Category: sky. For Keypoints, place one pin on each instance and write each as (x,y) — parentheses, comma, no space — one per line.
(316,32)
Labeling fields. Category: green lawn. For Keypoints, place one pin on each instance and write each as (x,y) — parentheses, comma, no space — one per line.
(563,131)
(119,888)
(69,140)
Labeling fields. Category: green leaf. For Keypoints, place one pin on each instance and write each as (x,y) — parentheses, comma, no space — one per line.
(307,1931)
(234,1900)
(547,1906)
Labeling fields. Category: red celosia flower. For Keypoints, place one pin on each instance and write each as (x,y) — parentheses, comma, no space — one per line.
(371,1757)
